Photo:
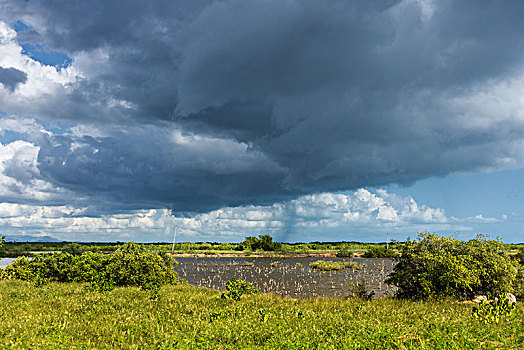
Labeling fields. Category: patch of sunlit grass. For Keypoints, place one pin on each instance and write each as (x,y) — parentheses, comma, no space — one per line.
(67,316)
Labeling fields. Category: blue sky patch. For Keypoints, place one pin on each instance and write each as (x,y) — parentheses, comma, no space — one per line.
(8,136)
(39,53)
(20,26)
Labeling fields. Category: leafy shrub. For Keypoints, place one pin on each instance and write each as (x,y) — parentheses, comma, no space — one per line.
(59,267)
(344,252)
(518,283)
(359,291)
(133,265)
(100,284)
(494,309)
(263,242)
(520,256)
(237,287)
(130,265)
(327,265)
(434,267)
(263,315)
(379,252)
(73,249)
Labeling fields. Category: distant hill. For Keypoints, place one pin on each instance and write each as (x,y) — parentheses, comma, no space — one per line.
(28,238)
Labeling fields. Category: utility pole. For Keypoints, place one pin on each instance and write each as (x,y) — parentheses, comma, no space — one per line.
(174,237)
(387,240)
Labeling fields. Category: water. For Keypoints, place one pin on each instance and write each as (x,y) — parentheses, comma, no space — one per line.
(287,277)
(6,261)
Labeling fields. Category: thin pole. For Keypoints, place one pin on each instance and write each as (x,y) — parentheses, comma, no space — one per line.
(387,240)
(174,236)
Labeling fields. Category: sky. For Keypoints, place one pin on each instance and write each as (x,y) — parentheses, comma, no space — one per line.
(308,120)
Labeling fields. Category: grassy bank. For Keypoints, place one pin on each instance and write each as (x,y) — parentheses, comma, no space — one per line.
(66,316)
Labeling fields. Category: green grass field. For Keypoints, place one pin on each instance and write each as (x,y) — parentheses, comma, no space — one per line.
(66,316)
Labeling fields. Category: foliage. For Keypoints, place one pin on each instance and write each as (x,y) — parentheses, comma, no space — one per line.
(66,316)
(101,284)
(494,309)
(263,242)
(518,283)
(73,249)
(359,291)
(344,252)
(134,265)
(520,256)
(328,265)
(263,315)
(439,267)
(237,287)
(379,252)
(130,265)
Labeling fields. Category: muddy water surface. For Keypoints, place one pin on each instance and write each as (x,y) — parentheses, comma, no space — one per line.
(288,277)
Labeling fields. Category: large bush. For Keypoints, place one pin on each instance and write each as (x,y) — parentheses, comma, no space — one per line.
(130,265)
(434,267)
(133,265)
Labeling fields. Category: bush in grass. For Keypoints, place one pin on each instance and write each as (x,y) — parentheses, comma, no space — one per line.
(133,265)
(379,252)
(129,265)
(59,267)
(494,309)
(359,291)
(434,267)
(237,287)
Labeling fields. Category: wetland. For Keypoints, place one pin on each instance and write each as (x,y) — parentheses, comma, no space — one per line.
(288,276)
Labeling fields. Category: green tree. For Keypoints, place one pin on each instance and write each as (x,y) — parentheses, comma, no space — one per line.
(263,242)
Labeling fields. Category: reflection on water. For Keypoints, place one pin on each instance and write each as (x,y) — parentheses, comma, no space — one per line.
(288,277)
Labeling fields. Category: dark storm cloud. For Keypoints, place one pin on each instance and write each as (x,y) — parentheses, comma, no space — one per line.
(156,166)
(328,95)
(11,77)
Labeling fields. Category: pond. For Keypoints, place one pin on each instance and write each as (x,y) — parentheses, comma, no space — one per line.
(287,277)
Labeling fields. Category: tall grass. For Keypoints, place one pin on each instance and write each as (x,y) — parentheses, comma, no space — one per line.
(67,316)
